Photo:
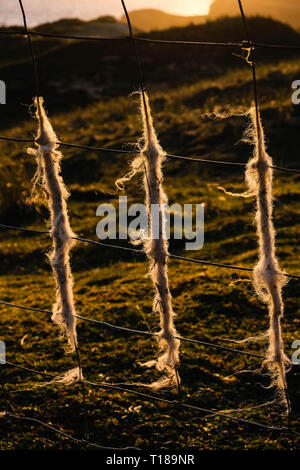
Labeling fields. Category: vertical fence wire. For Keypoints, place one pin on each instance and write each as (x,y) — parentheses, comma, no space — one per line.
(37,92)
(142,89)
(33,59)
(137,56)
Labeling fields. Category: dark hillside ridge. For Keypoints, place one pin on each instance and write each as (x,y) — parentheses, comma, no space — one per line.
(287,11)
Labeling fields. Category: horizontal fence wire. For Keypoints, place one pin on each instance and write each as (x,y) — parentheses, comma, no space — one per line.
(135,331)
(229,44)
(176,403)
(140,251)
(168,155)
(83,442)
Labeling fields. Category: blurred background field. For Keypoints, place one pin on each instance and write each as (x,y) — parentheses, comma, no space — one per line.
(87,87)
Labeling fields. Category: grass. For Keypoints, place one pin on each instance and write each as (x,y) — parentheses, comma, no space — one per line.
(210,302)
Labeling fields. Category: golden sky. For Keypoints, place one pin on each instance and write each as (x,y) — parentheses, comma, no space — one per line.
(180,7)
(41,11)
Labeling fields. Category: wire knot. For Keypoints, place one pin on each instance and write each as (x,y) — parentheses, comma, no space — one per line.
(248,47)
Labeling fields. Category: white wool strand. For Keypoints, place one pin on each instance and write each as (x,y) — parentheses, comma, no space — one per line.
(150,162)
(48,160)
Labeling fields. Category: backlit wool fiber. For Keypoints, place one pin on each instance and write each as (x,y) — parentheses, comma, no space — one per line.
(267,277)
(150,162)
(48,160)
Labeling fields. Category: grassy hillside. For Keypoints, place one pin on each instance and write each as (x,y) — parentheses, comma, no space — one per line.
(211,303)
(282,10)
(77,73)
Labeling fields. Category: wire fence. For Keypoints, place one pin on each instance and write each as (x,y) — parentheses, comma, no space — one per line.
(236,44)
(140,251)
(168,155)
(85,442)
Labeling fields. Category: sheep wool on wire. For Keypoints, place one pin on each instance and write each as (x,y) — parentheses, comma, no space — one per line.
(149,161)
(268,278)
(48,172)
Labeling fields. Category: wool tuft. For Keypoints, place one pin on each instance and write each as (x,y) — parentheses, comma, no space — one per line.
(70,377)
(48,173)
(149,161)
(268,279)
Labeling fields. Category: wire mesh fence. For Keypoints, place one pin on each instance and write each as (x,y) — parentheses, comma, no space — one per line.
(8,414)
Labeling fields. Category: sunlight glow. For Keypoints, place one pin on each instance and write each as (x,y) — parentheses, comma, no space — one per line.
(89,9)
(178,7)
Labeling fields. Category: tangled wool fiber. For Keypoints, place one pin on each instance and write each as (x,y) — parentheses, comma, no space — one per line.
(68,378)
(48,172)
(268,278)
(149,161)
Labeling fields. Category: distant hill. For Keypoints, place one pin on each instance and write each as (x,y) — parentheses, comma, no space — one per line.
(287,11)
(106,26)
(151,19)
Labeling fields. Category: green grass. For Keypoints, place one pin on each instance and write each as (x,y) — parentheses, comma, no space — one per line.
(210,302)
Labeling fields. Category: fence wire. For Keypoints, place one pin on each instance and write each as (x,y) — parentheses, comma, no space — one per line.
(168,155)
(140,251)
(176,403)
(230,44)
(135,331)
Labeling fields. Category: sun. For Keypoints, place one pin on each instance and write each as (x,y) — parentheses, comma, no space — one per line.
(188,7)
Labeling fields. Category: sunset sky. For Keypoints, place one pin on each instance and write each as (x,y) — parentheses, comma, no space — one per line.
(46,11)
(180,7)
